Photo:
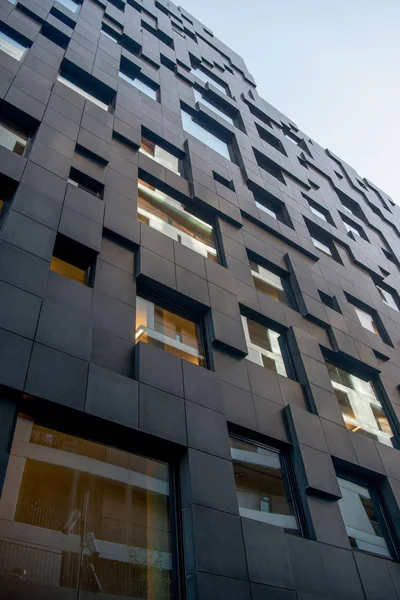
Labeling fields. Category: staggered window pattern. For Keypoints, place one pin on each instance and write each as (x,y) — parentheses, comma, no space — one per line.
(168,331)
(360,511)
(170,217)
(204,135)
(11,46)
(163,157)
(361,409)
(269,283)
(262,492)
(263,346)
(79,518)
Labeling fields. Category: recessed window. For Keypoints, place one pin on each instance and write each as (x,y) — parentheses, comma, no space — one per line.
(168,331)
(366,320)
(228,183)
(65,80)
(12,138)
(269,283)
(264,346)
(361,409)
(362,518)
(292,138)
(78,179)
(191,126)
(268,165)
(164,158)
(350,205)
(70,260)
(262,485)
(143,86)
(319,211)
(207,78)
(321,246)
(99,514)
(330,301)
(171,217)
(353,228)
(387,298)
(265,208)
(10,45)
(202,98)
(273,141)
(7,190)
(70,4)
(110,33)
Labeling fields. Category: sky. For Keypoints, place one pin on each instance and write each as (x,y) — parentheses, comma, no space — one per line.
(333,67)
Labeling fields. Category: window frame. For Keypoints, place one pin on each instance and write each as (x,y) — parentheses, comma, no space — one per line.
(204,124)
(146,134)
(284,280)
(18,41)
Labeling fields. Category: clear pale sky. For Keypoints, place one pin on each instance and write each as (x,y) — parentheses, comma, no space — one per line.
(333,67)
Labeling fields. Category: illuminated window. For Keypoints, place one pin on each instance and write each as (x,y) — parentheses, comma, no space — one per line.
(268,282)
(362,518)
(70,260)
(262,492)
(360,406)
(263,346)
(97,520)
(207,78)
(387,298)
(170,217)
(168,331)
(141,85)
(202,98)
(366,320)
(65,80)
(10,45)
(164,158)
(205,135)
(12,139)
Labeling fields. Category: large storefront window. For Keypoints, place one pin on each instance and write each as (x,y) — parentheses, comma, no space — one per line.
(80,519)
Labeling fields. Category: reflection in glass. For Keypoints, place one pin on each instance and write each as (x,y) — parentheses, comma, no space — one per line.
(361,409)
(140,85)
(206,78)
(387,298)
(317,212)
(204,135)
(70,4)
(259,484)
(268,283)
(170,217)
(200,98)
(351,228)
(360,519)
(80,519)
(366,320)
(82,92)
(164,158)
(263,346)
(266,209)
(12,139)
(168,331)
(11,46)
(321,246)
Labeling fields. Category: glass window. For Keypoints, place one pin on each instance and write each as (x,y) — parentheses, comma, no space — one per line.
(11,46)
(82,92)
(140,85)
(68,270)
(69,260)
(79,518)
(351,228)
(168,331)
(70,4)
(200,98)
(7,190)
(321,246)
(204,135)
(317,212)
(110,34)
(267,210)
(387,298)
(12,139)
(206,78)
(366,320)
(268,282)
(85,183)
(260,485)
(164,158)
(360,406)
(170,217)
(263,346)
(360,519)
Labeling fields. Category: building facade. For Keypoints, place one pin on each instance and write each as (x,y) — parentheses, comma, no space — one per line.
(199,326)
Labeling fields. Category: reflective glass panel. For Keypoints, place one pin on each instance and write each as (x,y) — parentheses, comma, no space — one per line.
(200,98)
(360,406)
(259,484)
(70,4)
(317,212)
(265,209)
(82,92)
(351,229)
(263,346)
(323,247)
(206,78)
(140,85)
(167,331)
(161,212)
(164,158)
(81,520)
(360,519)
(268,283)
(204,135)
(387,298)
(12,139)
(11,47)
(366,320)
